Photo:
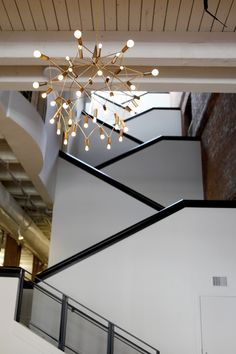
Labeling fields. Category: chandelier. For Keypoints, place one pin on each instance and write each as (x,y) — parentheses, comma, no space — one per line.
(78,76)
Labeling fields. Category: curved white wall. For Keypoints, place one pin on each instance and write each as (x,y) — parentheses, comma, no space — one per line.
(34,143)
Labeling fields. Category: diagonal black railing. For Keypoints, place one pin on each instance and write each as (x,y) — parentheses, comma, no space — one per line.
(68,324)
(144,146)
(131,230)
(104,177)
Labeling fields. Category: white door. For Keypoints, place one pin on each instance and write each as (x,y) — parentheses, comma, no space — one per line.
(218,320)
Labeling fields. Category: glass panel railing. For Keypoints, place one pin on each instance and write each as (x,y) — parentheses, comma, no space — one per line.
(69,325)
(84,334)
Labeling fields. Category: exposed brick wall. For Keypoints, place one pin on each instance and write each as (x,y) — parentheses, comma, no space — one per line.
(214,120)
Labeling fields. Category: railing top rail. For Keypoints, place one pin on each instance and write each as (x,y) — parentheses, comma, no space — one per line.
(144,146)
(112,240)
(111,181)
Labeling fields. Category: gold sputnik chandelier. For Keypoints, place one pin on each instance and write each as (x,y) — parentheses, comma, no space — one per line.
(107,71)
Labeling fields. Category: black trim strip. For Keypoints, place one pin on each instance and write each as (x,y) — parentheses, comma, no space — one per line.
(109,126)
(131,230)
(152,109)
(10,272)
(104,177)
(144,146)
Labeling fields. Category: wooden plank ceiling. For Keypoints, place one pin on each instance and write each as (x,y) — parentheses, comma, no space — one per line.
(117,15)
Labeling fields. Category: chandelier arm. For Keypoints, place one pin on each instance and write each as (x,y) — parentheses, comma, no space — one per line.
(82,131)
(85,70)
(117,78)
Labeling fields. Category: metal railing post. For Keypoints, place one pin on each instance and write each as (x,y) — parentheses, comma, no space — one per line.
(63,323)
(110,338)
(20,295)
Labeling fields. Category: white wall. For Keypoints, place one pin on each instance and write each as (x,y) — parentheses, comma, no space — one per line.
(165,172)
(154,123)
(14,337)
(88,210)
(151,283)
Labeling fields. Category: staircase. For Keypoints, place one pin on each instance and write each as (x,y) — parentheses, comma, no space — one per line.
(134,240)
(139,252)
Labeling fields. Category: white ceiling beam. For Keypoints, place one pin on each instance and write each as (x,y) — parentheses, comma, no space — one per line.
(170,49)
(210,79)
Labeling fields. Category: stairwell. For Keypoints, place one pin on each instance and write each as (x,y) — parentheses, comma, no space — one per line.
(133,240)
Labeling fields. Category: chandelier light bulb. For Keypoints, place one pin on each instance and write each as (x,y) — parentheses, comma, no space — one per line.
(36,84)
(44,94)
(20,237)
(126,129)
(65,105)
(99,72)
(120,138)
(155,72)
(70,122)
(52,121)
(73,134)
(60,77)
(130,43)
(133,87)
(77,34)
(109,143)
(37,54)
(78,93)
(102,135)
(122,67)
(53,103)
(118,54)
(94,120)
(70,70)
(86,122)
(65,142)
(99,45)
(67,58)
(86,144)
(58,131)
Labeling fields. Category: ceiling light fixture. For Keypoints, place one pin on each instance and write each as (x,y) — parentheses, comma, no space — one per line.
(108,71)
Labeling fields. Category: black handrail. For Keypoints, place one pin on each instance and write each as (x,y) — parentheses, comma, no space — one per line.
(104,177)
(131,230)
(152,109)
(144,146)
